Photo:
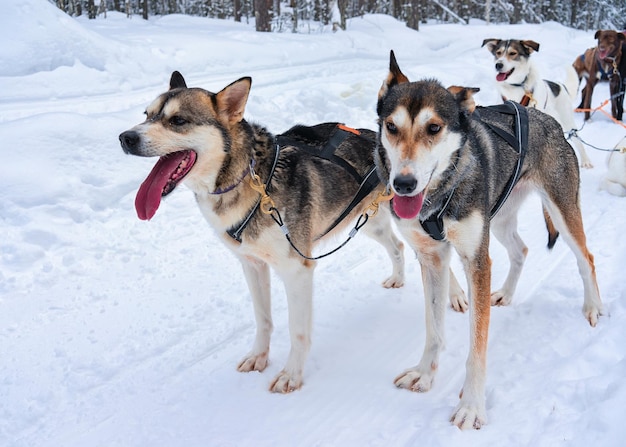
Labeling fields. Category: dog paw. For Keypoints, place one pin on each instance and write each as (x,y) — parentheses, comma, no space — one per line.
(500,298)
(469,416)
(592,314)
(394,282)
(415,380)
(458,301)
(286,383)
(253,362)
(586,164)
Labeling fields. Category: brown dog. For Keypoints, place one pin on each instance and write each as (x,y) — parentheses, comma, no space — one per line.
(602,63)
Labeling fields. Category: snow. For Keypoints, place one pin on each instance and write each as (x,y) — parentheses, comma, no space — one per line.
(118,332)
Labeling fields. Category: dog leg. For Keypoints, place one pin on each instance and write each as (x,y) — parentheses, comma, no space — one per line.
(587,94)
(471,411)
(504,228)
(258,278)
(298,279)
(434,259)
(569,218)
(578,146)
(379,228)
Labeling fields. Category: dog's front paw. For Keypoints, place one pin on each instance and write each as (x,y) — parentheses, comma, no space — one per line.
(253,362)
(415,380)
(592,314)
(285,382)
(394,282)
(500,298)
(468,415)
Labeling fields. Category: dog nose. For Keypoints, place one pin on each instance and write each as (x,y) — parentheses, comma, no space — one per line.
(499,66)
(129,141)
(404,184)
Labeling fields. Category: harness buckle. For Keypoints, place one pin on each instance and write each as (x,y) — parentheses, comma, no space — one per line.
(267,204)
(383,196)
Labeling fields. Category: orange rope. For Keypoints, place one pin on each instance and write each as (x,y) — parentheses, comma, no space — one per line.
(600,108)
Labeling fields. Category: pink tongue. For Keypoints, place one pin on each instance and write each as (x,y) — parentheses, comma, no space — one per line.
(501,77)
(148,197)
(407,207)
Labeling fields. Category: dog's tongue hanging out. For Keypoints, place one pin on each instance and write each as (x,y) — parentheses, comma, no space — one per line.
(166,174)
(407,207)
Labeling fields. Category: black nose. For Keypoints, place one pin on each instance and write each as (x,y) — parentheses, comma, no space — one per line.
(499,66)
(404,184)
(130,141)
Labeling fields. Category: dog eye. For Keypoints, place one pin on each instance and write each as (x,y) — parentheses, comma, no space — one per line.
(513,53)
(177,121)
(391,128)
(434,128)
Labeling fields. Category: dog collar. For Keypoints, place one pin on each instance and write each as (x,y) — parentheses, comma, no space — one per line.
(235,232)
(246,171)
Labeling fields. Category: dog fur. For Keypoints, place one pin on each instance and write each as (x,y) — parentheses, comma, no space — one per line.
(206,133)
(602,61)
(614,180)
(517,77)
(439,157)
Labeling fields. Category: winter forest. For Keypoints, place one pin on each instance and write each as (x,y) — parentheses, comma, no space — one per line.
(308,15)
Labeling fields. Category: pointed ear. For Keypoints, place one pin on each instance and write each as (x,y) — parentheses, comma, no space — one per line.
(177,81)
(231,101)
(464,97)
(491,44)
(394,77)
(530,45)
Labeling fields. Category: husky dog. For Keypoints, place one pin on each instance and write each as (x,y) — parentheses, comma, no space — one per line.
(451,168)
(605,62)
(518,79)
(245,180)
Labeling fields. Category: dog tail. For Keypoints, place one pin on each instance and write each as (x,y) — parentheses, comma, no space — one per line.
(572,82)
(553,234)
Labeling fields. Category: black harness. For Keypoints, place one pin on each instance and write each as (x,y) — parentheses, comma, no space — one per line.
(433,225)
(366,182)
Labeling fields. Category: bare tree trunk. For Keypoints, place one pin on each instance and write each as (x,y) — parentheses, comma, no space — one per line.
(412,15)
(237,10)
(91,9)
(342,5)
(262,15)
(145,10)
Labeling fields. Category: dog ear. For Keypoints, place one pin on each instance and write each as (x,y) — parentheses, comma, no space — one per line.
(394,77)
(177,81)
(231,101)
(621,36)
(491,44)
(530,45)
(597,34)
(464,97)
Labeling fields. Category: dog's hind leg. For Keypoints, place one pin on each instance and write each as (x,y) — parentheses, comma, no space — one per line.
(380,229)
(297,276)
(258,278)
(568,220)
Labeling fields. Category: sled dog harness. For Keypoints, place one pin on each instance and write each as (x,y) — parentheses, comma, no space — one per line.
(366,182)
(433,225)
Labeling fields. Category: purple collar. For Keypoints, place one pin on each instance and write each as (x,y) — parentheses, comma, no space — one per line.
(233,186)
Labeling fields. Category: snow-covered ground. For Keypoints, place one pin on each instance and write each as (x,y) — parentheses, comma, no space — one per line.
(119,332)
